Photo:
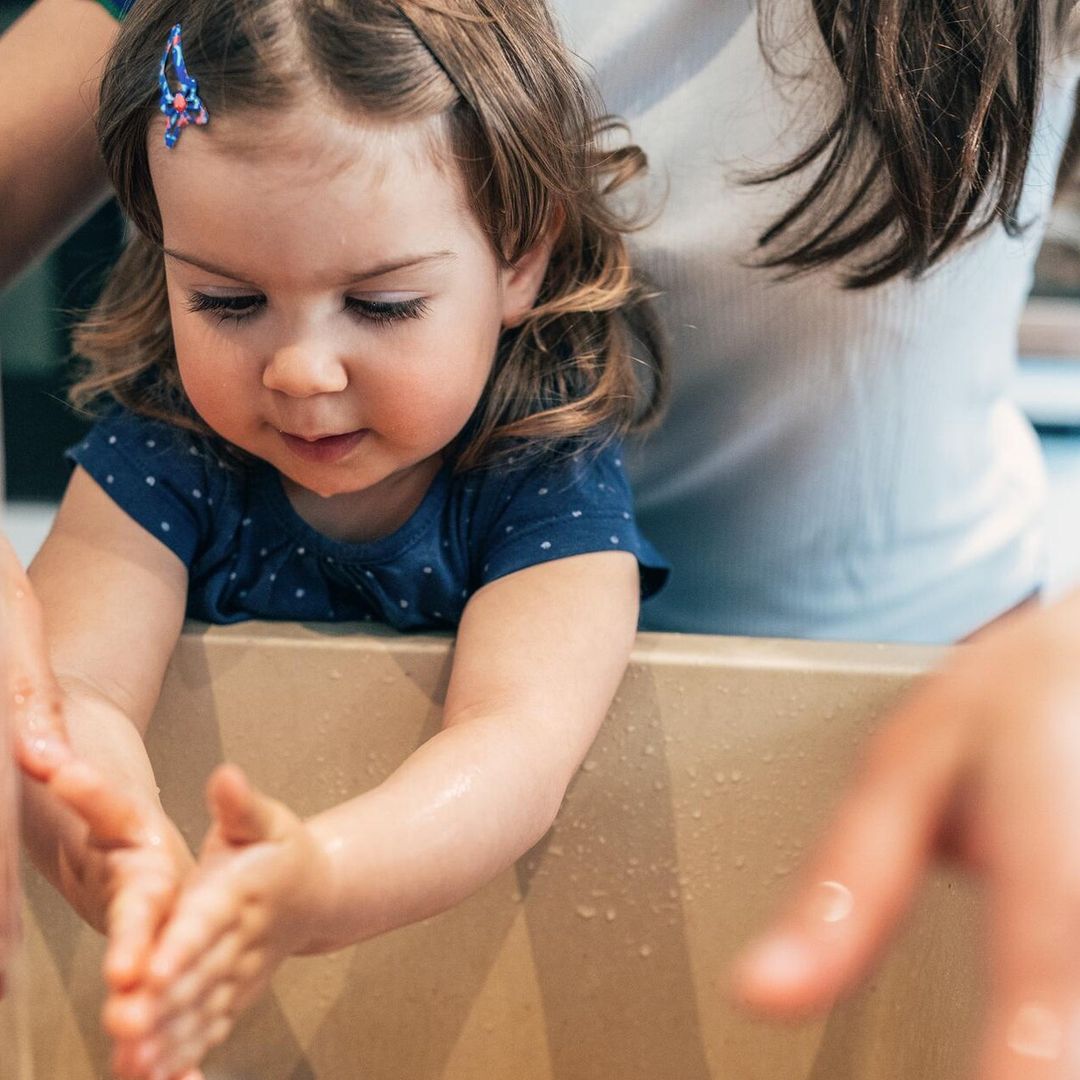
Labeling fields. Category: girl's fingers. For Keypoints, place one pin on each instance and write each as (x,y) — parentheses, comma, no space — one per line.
(187,1042)
(179,1042)
(134,918)
(193,987)
(115,820)
(219,1003)
(243,815)
(202,915)
(864,875)
(178,1037)
(212,1036)
(252,973)
(130,1060)
(213,906)
(38,753)
(130,1017)
(209,956)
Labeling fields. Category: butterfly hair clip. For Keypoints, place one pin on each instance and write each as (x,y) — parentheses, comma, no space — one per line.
(182,106)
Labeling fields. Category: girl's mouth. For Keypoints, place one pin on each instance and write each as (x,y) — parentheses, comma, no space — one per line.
(326,450)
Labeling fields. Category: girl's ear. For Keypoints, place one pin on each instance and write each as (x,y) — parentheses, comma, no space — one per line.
(522,281)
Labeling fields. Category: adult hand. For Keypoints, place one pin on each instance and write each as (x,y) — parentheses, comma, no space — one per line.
(980,763)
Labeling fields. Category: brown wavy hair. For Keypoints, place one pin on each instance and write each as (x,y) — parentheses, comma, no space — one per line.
(524,128)
(930,143)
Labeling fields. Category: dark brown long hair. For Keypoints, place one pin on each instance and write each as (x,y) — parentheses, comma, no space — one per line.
(930,143)
(536,154)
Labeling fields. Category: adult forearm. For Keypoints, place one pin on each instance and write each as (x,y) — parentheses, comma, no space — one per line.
(37,217)
(51,175)
(457,813)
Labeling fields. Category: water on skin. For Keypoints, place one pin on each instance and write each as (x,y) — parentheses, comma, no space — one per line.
(833,901)
(1037,1032)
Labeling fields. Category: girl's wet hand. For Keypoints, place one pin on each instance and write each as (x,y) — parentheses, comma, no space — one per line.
(139,860)
(981,764)
(259,881)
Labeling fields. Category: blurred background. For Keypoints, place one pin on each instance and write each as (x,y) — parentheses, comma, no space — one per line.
(37,312)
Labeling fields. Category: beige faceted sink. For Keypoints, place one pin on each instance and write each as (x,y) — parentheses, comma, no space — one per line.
(602,955)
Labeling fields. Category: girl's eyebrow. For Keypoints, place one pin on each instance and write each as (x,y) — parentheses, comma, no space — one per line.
(378,270)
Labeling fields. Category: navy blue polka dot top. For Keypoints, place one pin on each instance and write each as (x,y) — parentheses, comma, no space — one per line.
(251,556)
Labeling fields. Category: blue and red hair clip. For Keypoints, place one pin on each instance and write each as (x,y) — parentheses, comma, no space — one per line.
(182,106)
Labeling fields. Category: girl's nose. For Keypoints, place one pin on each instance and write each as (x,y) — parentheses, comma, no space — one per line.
(305,369)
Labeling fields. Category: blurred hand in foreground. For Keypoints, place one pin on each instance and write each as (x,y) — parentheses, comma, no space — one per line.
(981,763)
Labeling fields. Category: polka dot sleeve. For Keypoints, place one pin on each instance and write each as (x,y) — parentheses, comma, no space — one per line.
(156,474)
(552,511)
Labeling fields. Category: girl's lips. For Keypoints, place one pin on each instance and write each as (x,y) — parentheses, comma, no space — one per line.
(323,451)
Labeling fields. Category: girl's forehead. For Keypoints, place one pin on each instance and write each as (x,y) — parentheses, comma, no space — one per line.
(296,188)
(292,155)
(312,136)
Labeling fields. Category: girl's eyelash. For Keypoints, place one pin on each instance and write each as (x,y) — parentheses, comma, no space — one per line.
(238,308)
(382,311)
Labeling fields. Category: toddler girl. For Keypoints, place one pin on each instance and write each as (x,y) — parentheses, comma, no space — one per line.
(367,356)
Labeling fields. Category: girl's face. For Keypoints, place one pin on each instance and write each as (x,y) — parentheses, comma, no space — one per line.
(335,304)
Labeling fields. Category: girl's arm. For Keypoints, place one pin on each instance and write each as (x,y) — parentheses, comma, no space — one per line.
(51,175)
(112,604)
(539,656)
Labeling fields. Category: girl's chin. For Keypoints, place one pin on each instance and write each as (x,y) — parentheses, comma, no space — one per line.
(376,472)
(295,481)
